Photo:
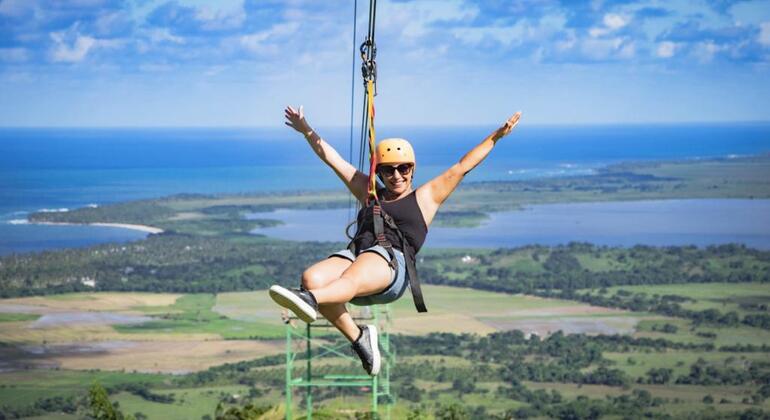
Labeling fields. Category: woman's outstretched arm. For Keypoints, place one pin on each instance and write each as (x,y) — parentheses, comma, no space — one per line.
(356,181)
(431,195)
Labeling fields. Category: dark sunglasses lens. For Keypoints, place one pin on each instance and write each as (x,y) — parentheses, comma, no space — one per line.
(404,169)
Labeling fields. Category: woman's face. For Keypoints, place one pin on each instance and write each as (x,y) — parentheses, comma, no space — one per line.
(397,177)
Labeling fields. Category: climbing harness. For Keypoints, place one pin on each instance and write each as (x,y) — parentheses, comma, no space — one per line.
(380,219)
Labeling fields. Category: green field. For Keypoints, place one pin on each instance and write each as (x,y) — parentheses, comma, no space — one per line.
(722,296)
(194,314)
(188,403)
(6,317)
(457,310)
(637,364)
(22,388)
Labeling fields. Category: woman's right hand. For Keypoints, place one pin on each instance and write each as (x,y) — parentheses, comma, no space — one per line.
(296,120)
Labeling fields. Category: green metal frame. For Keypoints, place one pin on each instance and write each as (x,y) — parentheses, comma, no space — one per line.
(379,385)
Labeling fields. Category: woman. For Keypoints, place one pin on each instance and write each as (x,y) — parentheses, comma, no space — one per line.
(366,273)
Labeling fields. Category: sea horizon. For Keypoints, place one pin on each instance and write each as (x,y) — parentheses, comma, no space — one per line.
(68,168)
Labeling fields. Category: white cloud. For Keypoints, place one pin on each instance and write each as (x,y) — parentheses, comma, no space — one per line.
(71,47)
(413,20)
(216,16)
(705,51)
(666,49)
(74,53)
(520,32)
(614,21)
(161,35)
(601,49)
(627,50)
(764,33)
(263,42)
(505,35)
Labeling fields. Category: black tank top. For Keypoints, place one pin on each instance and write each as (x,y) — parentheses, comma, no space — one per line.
(408,217)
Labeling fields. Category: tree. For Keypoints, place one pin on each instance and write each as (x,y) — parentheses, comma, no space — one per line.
(453,411)
(101,407)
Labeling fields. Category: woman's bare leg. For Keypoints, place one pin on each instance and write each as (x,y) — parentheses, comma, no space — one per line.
(369,274)
(321,274)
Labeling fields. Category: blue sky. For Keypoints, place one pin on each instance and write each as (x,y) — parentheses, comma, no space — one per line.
(238,62)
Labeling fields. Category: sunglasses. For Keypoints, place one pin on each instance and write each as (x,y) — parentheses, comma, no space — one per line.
(404,169)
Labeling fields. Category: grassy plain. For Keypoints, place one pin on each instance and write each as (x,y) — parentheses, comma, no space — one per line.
(193,332)
(457,310)
(22,388)
(681,398)
(724,297)
(688,332)
(637,364)
(14,317)
(194,314)
(189,403)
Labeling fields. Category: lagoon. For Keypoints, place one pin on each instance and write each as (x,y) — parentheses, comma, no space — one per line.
(699,222)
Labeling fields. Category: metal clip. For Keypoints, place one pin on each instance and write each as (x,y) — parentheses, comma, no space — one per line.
(368,61)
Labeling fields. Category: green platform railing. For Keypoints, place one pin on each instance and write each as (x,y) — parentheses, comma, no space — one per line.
(316,347)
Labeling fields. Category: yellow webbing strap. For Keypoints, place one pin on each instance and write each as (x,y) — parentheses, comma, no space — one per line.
(372,154)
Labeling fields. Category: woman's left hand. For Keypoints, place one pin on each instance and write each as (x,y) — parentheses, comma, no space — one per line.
(506,128)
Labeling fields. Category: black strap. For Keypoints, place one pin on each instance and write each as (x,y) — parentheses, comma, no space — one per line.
(379,217)
(409,258)
(379,220)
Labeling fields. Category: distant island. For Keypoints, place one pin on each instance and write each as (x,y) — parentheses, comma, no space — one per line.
(739,177)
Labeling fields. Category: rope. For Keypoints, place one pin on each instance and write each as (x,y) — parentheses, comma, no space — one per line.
(372,156)
(352,104)
(368,51)
(369,73)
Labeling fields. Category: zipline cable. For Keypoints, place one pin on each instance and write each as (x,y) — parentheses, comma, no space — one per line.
(368,51)
(369,73)
(352,101)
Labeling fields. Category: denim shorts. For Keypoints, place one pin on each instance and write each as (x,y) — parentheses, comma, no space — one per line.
(398,284)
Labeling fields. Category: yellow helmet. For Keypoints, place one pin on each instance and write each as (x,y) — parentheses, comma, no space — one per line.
(395,150)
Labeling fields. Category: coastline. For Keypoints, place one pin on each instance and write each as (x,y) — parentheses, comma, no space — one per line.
(142,228)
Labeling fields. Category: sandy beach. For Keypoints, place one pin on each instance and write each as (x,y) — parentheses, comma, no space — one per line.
(143,228)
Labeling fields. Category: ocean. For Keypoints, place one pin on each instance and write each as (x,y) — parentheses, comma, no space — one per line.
(65,168)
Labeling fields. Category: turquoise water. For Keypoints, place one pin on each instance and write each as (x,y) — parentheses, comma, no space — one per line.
(71,168)
(653,222)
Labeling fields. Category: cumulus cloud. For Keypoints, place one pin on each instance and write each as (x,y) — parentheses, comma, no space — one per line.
(612,22)
(705,51)
(62,51)
(71,46)
(416,19)
(213,18)
(265,42)
(161,35)
(209,17)
(764,34)
(505,35)
(215,33)
(666,49)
